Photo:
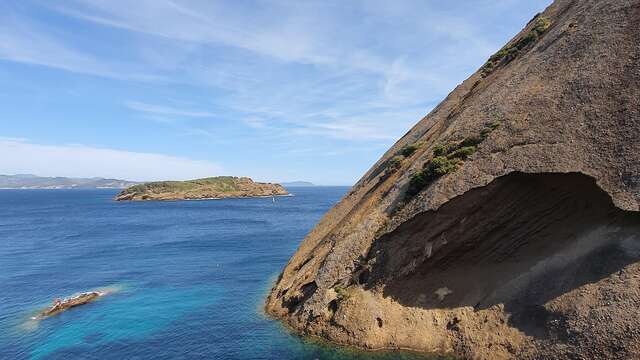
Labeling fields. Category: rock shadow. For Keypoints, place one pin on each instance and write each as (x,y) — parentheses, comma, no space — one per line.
(522,240)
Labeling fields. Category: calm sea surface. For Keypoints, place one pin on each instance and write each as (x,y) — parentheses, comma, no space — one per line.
(188,278)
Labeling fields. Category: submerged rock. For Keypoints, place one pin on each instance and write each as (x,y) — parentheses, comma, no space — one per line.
(60,305)
(505,223)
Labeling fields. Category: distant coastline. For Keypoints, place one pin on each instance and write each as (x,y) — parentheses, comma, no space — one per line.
(297,184)
(31,182)
(62,188)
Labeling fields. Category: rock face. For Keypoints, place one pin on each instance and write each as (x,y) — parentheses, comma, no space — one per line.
(208,188)
(505,223)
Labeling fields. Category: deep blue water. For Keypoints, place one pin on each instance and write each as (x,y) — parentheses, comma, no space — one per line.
(188,277)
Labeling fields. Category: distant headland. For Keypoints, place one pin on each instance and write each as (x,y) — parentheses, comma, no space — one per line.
(219,187)
(29,181)
(297,184)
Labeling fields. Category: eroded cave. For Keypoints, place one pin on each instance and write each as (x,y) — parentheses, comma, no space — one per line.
(520,241)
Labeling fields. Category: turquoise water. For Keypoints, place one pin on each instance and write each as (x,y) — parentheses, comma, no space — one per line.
(186,279)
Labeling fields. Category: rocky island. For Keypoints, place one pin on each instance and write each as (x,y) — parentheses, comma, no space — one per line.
(504,225)
(219,187)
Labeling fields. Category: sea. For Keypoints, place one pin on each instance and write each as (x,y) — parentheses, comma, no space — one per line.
(184,279)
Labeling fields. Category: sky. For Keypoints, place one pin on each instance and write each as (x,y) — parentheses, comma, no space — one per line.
(275,90)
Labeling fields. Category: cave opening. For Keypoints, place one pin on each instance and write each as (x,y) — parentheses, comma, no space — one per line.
(521,241)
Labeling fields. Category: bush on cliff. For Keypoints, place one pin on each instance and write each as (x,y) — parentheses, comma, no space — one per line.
(447,157)
(409,149)
(508,53)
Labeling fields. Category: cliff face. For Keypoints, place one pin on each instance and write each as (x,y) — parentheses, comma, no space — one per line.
(504,224)
(208,188)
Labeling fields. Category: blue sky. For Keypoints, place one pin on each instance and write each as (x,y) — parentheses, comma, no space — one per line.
(275,90)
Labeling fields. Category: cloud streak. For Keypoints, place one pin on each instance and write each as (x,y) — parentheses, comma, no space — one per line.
(22,41)
(166,110)
(267,76)
(281,62)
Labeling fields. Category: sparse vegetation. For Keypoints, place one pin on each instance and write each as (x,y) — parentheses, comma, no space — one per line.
(510,52)
(447,158)
(409,149)
(221,183)
(441,149)
(440,165)
(489,128)
(342,292)
(472,140)
(437,167)
(213,187)
(418,181)
(462,153)
(396,162)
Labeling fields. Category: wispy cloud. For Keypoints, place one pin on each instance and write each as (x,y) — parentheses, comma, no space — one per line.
(275,75)
(277,36)
(20,43)
(163,110)
(87,161)
(255,122)
(23,41)
(343,131)
(280,63)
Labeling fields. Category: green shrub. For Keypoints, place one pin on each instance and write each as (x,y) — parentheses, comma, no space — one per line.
(471,141)
(342,292)
(484,133)
(441,149)
(440,165)
(512,52)
(526,40)
(396,162)
(462,153)
(497,56)
(508,53)
(437,167)
(542,24)
(488,128)
(447,158)
(409,149)
(418,181)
